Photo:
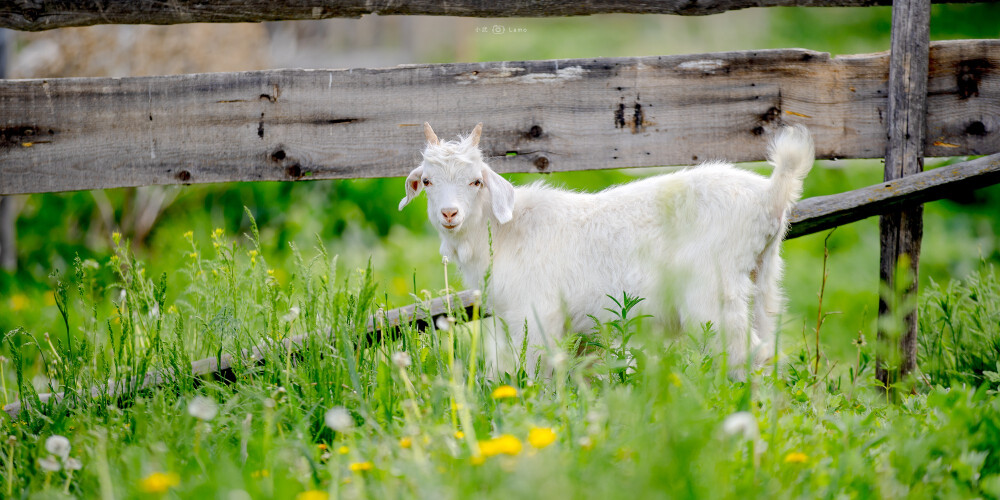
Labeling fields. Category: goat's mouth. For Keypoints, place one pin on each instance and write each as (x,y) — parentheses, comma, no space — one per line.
(450,227)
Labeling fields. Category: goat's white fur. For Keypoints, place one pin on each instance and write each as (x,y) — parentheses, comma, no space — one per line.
(702,242)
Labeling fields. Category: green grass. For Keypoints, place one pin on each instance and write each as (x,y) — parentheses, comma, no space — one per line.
(645,419)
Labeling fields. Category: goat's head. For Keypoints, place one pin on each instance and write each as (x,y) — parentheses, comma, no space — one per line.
(459,184)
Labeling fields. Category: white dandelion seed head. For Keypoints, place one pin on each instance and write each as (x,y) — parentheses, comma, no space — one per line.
(401,359)
(58,446)
(203,408)
(293,312)
(741,424)
(339,419)
(73,464)
(49,464)
(442,324)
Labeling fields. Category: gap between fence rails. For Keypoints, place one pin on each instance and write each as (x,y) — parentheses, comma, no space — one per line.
(809,216)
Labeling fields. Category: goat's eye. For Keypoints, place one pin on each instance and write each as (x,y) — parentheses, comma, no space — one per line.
(477,182)
(427,182)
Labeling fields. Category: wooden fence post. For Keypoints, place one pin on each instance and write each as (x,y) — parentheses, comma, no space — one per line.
(901,231)
(8,239)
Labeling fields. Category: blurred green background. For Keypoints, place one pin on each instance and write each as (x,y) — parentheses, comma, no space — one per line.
(358,219)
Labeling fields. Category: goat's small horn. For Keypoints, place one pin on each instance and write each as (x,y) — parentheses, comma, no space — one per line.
(476,134)
(429,134)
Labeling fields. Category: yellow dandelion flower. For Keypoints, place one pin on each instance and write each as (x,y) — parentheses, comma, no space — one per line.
(18,302)
(360,466)
(796,458)
(503,444)
(459,435)
(405,443)
(504,391)
(343,450)
(540,437)
(312,495)
(159,482)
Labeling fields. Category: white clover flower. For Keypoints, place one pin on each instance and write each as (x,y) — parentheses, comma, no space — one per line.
(203,408)
(741,424)
(73,464)
(58,446)
(293,313)
(401,359)
(49,464)
(339,419)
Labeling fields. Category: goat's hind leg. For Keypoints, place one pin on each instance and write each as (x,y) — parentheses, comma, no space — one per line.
(726,305)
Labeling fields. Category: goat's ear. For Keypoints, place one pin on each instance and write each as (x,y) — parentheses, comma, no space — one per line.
(432,138)
(476,134)
(502,194)
(413,186)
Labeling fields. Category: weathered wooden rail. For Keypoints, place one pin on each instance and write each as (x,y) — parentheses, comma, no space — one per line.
(90,133)
(42,15)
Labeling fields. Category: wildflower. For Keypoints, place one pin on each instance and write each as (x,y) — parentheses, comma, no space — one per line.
(540,437)
(343,450)
(187,235)
(203,408)
(312,495)
(459,435)
(505,444)
(293,313)
(401,359)
(257,474)
(58,446)
(172,309)
(742,424)
(339,419)
(405,443)
(504,391)
(193,255)
(117,237)
(796,457)
(860,341)
(360,466)
(442,323)
(49,464)
(73,464)
(18,302)
(218,232)
(321,446)
(158,482)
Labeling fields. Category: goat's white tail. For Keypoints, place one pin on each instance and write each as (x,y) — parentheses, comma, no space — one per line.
(792,153)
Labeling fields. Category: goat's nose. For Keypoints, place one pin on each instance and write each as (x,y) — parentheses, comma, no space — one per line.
(449,213)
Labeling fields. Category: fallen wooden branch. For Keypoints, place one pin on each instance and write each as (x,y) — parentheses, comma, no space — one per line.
(826,212)
(37,16)
(221,367)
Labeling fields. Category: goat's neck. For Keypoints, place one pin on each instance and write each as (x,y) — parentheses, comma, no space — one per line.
(469,249)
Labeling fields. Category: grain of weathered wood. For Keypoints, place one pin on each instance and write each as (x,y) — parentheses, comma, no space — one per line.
(38,15)
(86,133)
(820,213)
(419,315)
(901,232)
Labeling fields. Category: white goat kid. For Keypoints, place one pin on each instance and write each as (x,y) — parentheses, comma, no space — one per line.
(703,243)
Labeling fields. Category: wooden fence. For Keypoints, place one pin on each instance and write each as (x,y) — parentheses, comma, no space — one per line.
(920,99)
